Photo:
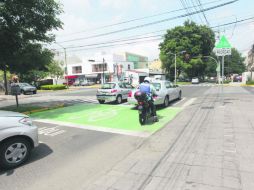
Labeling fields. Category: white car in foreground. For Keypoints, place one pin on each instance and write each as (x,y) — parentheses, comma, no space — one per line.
(165,90)
(18,136)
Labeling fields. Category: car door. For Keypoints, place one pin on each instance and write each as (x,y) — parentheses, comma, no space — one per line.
(124,91)
(170,90)
(175,91)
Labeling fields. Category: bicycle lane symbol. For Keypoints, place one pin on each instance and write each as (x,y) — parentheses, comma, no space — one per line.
(103,114)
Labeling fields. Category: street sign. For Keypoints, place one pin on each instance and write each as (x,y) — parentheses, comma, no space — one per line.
(223,47)
(223,51)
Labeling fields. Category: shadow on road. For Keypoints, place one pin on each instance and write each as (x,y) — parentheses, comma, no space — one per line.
(38,153)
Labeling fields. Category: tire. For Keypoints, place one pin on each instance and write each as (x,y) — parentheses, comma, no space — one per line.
(180,95)
(35,92)
(142,119)
(119,99)
(101,101)
(166,102)
(8,148)
(22,92)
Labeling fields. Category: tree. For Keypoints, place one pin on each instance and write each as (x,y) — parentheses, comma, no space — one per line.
(23,23)
(234,64)
(32,76)
(211,66)
(56,70)
(195,40)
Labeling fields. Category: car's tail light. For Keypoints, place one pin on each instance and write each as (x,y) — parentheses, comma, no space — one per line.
(113,91)
(26,121)
(130,94)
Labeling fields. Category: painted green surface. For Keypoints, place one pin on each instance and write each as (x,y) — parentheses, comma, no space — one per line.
(107,116)
(223,43)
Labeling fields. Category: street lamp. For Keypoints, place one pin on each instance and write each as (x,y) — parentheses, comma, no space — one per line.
(181,52)
(218,73)
(65,62)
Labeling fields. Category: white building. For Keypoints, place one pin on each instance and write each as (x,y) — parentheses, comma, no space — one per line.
(107,67)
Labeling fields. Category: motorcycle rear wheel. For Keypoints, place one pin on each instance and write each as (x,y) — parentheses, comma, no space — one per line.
(142,119)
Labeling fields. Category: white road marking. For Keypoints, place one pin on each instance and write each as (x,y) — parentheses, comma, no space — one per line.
(101,129)
(50,131)
(176,103)
(189,102)
(230,151)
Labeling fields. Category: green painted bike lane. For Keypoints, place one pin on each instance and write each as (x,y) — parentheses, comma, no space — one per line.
(107,116)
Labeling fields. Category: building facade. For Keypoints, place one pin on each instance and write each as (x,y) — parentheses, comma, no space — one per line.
(250,59)
(104,67)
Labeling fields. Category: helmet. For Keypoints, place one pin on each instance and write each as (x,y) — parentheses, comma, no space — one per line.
(148,79)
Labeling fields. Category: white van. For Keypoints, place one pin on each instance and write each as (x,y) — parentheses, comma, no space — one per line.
(195,80)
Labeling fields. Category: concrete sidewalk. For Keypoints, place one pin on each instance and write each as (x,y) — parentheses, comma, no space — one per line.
(209,146)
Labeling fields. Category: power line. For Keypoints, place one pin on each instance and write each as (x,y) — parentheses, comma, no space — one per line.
(151,23)
(114,45)
(136,19)
(230,23)
(114,41)
(186,9)
(145,37)
(149,40)
(201,8)
(192,1)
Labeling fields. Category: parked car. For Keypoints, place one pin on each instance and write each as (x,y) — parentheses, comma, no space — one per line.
(237,78)
(76,83)
(165,91)
(113,91)
(86,83)
(195,80)
(26,88)
(18,136)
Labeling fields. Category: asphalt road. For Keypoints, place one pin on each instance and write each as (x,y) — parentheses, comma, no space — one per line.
(249,89)
(69,158)
(73,92)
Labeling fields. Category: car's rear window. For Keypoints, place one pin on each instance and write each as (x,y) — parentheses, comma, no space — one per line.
(157,85)
(108,86)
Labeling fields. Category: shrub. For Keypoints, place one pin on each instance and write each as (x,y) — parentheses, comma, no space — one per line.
(53,87)
(227,81)
(251,82)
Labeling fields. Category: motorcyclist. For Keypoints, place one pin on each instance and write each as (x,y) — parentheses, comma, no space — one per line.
(149,89)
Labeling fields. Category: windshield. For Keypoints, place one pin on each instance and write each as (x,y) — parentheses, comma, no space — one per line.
(108,86)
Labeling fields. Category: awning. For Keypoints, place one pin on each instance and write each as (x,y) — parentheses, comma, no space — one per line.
(71,77)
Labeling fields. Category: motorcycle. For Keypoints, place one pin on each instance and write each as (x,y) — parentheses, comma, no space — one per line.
(144,109)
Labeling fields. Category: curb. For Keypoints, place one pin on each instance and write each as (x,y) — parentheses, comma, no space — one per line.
(43,109)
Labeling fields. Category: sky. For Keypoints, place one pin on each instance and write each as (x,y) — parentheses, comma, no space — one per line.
(84,19)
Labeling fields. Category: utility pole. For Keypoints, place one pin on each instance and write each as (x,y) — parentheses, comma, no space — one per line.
(175,61)
(175,68)
(103,71)
(222,81)
(65,62)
